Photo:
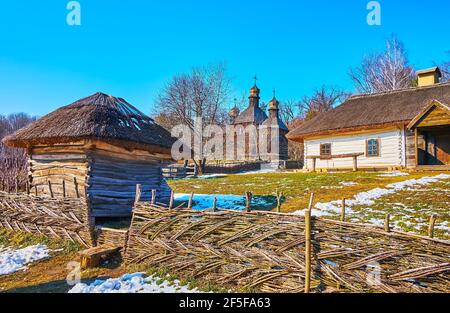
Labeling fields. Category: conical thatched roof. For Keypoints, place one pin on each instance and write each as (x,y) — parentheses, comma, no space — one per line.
(101,117)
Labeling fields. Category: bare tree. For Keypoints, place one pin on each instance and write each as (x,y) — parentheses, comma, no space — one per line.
(445,70)
(384,71)
(201,93)
(290,110)
(323,99)
(13,162)
(296,149)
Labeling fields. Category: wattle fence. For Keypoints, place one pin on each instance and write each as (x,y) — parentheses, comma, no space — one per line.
(63,218)
(265,251)
(248,251)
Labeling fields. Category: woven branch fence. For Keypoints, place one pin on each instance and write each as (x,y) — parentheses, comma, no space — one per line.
(62,218)
(265,252)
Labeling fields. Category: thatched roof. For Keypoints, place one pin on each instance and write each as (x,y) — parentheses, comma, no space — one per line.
(375,110)
(253,114)
(100,117)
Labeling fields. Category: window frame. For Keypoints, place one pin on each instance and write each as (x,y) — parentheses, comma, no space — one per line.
(378,141)
(322,145)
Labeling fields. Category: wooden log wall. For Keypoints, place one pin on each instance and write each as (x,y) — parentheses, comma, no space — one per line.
(67,218)
(57,165)
(411,149)
(265,252)
(112,184)
(104,174)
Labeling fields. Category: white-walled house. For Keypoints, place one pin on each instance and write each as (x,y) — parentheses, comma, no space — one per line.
(405,128)
(391,149)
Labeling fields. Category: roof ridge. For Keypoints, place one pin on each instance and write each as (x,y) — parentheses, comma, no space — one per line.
(368,95)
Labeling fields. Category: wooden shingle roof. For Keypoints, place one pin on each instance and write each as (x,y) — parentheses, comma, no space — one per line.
(253,114)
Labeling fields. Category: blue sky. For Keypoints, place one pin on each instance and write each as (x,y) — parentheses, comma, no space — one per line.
(131,48)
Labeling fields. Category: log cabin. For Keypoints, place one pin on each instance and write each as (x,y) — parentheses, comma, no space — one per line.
(408,128)
(100,148)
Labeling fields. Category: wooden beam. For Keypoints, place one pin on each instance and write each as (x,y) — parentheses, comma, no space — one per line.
(336,156)
(92,257)
(416,144)
(355,163)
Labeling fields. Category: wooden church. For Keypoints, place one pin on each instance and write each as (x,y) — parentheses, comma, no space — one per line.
(100,148)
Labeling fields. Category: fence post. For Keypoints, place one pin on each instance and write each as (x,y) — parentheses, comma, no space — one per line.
(279,197)
(76,187)
(308,245)
(50,189)
(433,219)
(64,188)
(171,200)
(191,199)
(311,202)
(248,201)
(195,170)
(387,221)
(343,210)
(153,201)
(137,197)
(28,187)
(36,190)
(215,204)
(17,185)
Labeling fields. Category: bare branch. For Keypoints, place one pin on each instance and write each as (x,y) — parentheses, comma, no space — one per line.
(386,71)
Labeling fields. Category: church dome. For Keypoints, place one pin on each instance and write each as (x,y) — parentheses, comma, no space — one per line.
(274,104)
(234,112)
(254,91)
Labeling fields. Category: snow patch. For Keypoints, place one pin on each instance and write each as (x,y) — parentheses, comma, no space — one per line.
(133,283)
(210,176)
(15,260)
(368,198)
(262,171)
(393,174)
(348,183)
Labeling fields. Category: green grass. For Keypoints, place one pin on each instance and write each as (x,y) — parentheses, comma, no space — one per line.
(21,240)
(296,187)
(410,209)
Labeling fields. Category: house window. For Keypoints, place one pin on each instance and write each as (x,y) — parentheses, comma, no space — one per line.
(325,150)
(373,148)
